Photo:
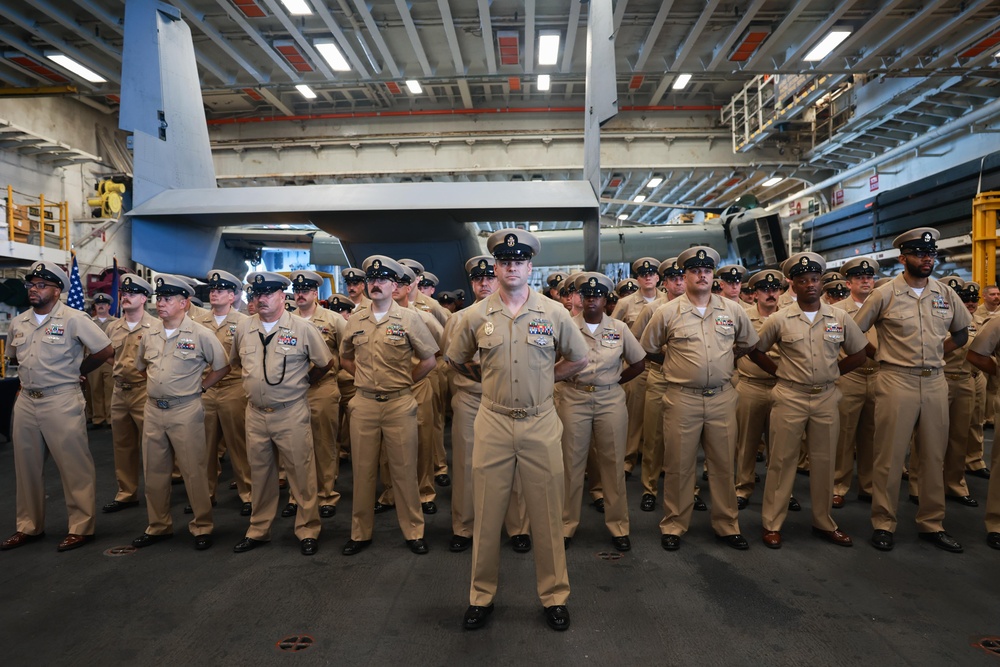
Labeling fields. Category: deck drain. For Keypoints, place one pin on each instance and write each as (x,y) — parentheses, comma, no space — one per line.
(610,555)
(114,552)
(989,644)
(295,643)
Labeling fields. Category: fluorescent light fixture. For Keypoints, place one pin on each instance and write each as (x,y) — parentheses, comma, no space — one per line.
(297,7)
(654,181)
(414,86)
(774,180)
(331,54)
(544,81)
(623,216)
(638,199)
(548,47)
(827,44)
(305,91)
(532,228)
(681,81)
(76,68)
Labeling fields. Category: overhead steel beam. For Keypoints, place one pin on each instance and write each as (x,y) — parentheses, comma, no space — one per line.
(448,23)
(198,19)
(296,34)
(974,33)
(411,32)
(276,101)
(573,27)
(795,53)
(873,23)
(694,35)
(652,35)
(619,13)
(529,36)
(258,40)
(28,49)
(940,29)
(486,27)
(463,90)
(787,22)
(338,34)
(908,26)
(380,44)
(63,19)
(661,89)
(721,52)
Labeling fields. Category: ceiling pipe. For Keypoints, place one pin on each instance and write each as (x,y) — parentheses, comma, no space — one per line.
(939,132)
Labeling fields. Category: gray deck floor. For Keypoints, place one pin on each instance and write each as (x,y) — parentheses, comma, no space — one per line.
(810,603)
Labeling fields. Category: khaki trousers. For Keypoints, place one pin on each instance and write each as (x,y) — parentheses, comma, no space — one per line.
(635,400)
(464,407)
(974,454)
(225,430)
(993,494)
(284,434)
(753,411)
(101,383)
(856,439)
(652,429)
(324,416)
(796,414)
(904,403)
(423,395)
(527,449)
(176,435)
(599,416)
(128,407)
(439,381)
(961,395)
(55,425)
(689,420)
(344,430)
(389,426)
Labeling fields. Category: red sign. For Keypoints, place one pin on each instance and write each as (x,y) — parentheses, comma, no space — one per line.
(873,183)
(838,197)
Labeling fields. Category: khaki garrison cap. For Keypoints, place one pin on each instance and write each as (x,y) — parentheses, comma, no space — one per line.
(699,256)
(513,244)
(219,279)
(920,239)
(49,271)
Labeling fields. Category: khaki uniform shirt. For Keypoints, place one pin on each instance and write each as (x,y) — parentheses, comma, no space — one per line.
(744,366)
(174,366)
(281,374)
(955,361)
(987,339)
(809,351)
(911,330)
(698,349)
(629,307)
(383,351)
(459,380)
(429,305)
(225,333)
(365,303)
(49,354)
(126,343)
(985,314)
(786,299)
(611,343)
(103,326)
(850,306)
(517,353)
(331,327)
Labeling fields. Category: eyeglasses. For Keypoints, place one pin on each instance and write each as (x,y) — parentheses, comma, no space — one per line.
(28,284)
(923,254)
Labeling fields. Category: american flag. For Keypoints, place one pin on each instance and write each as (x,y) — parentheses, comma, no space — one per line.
(75,297)
(114,289)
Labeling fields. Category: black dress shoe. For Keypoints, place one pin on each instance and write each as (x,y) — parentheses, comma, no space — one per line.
(566,542)
(942,540)
(246,510)
(802,471)
(476,617)
(982,472)
(119,505)
(430,507)
(598,505)
(882,540)
(648,502)
(699,504)
(621,543)
(174,481)
(417,546)
(19,539)
(793,505)
(741,502)
(246,544)
(736,541)
(459,543)
(309,546)
(232,485)
(968,501)
(760,457)
(327,511)
(380,508)
(202,542)
(993,540)
(704,475)
(914,499)
(864,497)
(442,480)
(670,542)
(557,617)
(146,539)
(520,543)
(355,546)
(289,510)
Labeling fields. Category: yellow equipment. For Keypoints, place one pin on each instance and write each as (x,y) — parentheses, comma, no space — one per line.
(108,200)
(985,207)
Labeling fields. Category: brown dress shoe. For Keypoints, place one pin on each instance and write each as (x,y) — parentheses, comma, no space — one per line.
(772,539)
(19,539)
(836,536)
(72,541)
(838,501)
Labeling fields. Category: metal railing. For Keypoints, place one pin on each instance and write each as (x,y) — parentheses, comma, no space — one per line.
(28,220)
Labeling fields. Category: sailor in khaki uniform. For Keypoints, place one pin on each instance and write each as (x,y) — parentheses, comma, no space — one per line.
(810,336)
(48,344)
(753,391)
(324,394)
(173,355)
(856,440)
(100,381)
(225,402)
(974,463)
(128,402)
(695,337)
(354,280)
(280,356)
(982,354)
(591,406)
(378,348)
(519,336)
(913,314)
(730,279)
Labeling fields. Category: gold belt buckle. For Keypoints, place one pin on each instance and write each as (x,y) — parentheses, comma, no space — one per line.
(816,389)
(926,372)
(268,410)
(381,396)
(35,394)
(162,404)
(518,413)
(708,392)
(590,388)
(125,387)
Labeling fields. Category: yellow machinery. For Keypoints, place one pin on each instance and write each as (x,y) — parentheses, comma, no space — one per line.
(985,207)
(35,221)
(108,200)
